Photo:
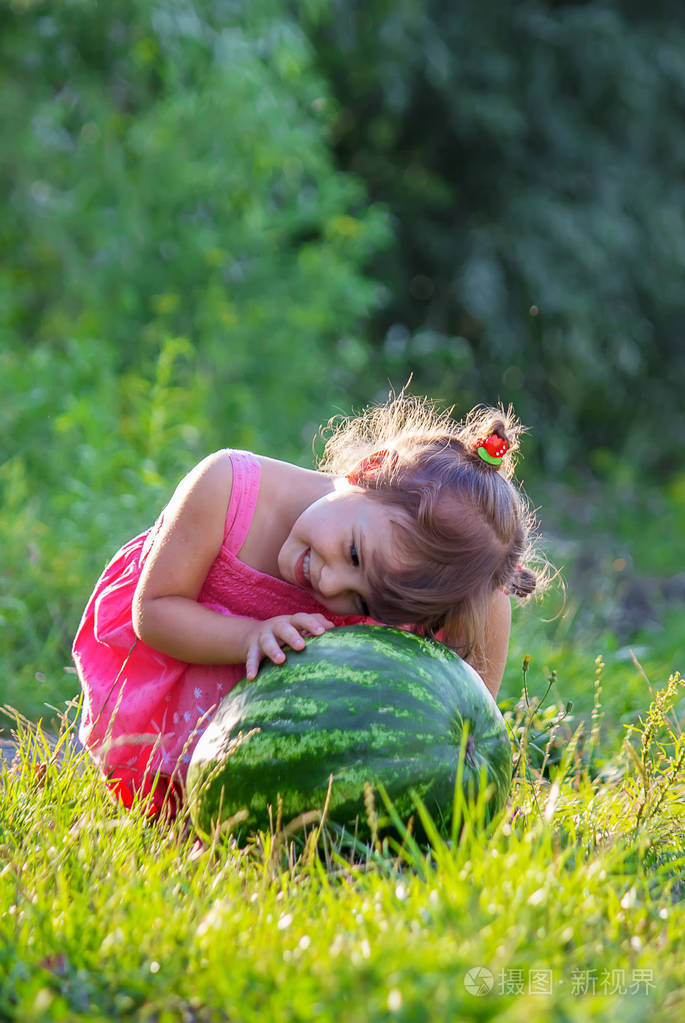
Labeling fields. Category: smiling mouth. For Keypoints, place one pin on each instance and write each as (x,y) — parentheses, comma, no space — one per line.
(302,570)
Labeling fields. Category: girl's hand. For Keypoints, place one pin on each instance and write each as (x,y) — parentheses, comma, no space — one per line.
(267,638)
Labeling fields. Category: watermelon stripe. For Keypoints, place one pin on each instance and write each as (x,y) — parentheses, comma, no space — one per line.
(363,703)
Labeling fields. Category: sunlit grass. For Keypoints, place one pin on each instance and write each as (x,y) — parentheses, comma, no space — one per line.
(570,906)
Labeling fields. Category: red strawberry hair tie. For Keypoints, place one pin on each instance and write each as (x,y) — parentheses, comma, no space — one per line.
(368,466)
(493,449)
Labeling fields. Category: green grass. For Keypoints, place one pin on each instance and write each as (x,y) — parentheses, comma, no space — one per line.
(573,900)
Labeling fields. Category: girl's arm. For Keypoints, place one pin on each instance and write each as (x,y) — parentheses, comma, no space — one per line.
(490,658)
(166,614)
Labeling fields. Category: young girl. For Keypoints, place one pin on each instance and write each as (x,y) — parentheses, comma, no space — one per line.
(411,519)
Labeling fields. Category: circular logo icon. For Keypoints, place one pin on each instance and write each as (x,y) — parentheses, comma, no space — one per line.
(478,981)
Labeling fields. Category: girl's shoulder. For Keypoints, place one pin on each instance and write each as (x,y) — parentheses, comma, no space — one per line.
(284,491)
(272,471)
(276,472)
(200,500)
(210,477)
(284,484)
(231,471)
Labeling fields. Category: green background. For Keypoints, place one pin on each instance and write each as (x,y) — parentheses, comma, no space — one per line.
(223,223)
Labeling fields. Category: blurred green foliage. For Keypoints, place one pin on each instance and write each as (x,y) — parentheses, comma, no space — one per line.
(224,222)
(184,269)
(532,155)
(169,176)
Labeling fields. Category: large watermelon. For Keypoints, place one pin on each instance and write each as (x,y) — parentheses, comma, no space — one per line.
(362,703)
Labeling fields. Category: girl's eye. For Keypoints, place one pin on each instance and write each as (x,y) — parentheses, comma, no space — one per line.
(354,555)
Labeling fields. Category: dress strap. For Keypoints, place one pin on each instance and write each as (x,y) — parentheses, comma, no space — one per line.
(246,478)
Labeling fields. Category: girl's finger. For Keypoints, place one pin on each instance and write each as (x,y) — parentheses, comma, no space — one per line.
(315,624)
(303,622)
(273,651)
(252,663)
(266,647)
(290,635)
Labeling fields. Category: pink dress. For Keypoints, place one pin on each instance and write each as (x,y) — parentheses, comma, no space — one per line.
(144,711)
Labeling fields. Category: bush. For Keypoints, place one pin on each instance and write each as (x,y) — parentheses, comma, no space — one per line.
(185,271)
(532,156)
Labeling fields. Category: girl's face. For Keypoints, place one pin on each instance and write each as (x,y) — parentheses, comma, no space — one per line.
(331,545)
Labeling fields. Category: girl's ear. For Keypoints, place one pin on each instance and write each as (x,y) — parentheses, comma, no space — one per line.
(368,467)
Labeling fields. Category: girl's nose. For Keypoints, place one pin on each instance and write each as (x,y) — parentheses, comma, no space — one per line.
(332,582)
(327,587)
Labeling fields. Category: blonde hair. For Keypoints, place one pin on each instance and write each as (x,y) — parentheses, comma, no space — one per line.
(464,530)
